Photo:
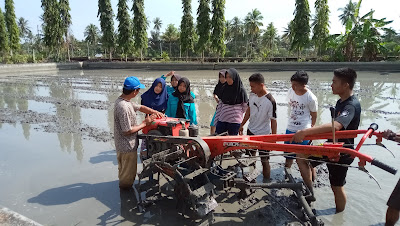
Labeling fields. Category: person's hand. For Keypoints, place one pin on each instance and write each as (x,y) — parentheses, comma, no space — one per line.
(170,73)
(148,120)
(241,130)
(216,99)
(158,114)
(387,133)
(298,137)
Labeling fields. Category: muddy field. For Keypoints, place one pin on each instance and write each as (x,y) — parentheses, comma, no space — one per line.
(58,164)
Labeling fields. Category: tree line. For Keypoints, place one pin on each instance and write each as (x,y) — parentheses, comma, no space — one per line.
(364,37)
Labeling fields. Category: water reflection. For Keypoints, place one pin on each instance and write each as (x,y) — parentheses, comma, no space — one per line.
(61,88)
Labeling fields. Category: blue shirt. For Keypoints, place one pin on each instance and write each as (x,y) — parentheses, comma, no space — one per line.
(190,109)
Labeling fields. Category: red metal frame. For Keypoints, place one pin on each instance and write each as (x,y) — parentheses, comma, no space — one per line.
(222,144)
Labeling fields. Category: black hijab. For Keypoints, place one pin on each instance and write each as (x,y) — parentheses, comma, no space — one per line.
(218,87)
(184,97)
(235,93)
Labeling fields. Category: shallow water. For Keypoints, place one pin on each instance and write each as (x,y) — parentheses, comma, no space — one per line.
(58,165)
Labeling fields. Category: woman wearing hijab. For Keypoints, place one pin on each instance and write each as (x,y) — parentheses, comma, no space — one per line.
(174,81)
(232,104)
(181,102)
(217,94)
(156,97)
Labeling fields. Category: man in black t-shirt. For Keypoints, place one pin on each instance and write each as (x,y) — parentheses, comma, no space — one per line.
(347,117)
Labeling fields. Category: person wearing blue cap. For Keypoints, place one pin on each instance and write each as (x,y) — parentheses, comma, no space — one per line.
(126,129)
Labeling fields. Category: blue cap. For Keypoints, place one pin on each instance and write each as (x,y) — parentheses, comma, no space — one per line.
(132,83)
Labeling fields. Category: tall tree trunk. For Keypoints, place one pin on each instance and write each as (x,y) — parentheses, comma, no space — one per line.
(160,49)
(69,57)
(298,53)
(170,49)
(247,44)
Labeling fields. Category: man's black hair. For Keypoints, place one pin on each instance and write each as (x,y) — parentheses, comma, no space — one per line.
(257,78)
(300,77)
(127,91)
(347,75)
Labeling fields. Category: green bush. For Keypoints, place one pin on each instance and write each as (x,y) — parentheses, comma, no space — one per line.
(165,56)
(19,58)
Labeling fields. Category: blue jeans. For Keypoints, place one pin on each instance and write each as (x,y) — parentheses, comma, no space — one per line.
(232,128)
(305,142)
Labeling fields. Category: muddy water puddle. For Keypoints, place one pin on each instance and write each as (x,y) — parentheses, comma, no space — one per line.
(58,164)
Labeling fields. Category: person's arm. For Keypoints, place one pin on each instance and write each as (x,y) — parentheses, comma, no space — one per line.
(274,126)
(150,111)
(313,118)
(298,137)
(216,98)
(139,127)
(167,75)
(246,117)
(390,135)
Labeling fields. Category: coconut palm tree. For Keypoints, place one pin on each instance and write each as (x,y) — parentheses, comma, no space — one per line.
(236,32)
(157,24)
(23,27)
(253,23)
(348,13)
(92,35)
(170,35)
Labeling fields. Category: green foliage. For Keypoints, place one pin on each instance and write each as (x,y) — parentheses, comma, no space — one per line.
(24,30)
(187,29)
(11,25)
(52,24)
(125,35)
(235,36)
(218,27)
(170,36)
(157,24)
(252,24)
(3,34)
(139,26)
(165,56)
(321,25)
(106,15)
(348,16)
(65,16)
(203,24)
(301,25)
(269,40)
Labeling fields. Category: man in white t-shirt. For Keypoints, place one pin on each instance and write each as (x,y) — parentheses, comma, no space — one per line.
(262,115)
(303,106)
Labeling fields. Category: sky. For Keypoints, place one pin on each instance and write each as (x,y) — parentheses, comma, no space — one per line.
(84,12)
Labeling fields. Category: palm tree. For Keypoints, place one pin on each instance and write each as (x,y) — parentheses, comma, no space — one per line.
(23,27)
(269,37)
(348,13)
(92,35)
(170,35)
(253,24)
(236,30)
(157,24)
